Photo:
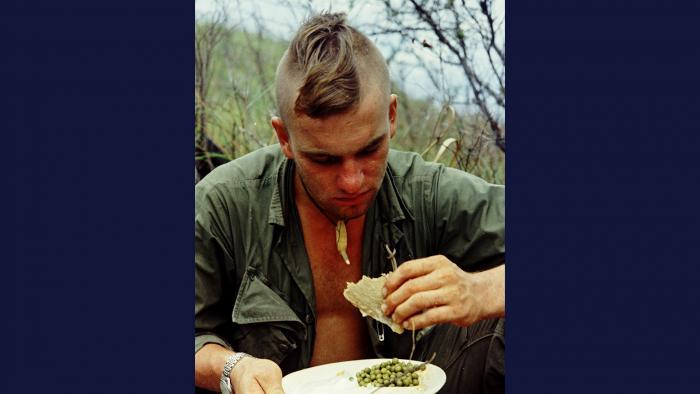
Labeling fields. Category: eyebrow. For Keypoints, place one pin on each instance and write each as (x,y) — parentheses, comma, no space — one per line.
(315,153)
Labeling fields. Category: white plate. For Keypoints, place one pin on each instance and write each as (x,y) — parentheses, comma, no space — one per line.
(335,378)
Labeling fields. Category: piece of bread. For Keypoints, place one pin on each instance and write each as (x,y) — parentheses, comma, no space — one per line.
(366,295)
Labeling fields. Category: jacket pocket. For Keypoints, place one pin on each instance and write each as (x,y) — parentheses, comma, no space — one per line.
(266,326)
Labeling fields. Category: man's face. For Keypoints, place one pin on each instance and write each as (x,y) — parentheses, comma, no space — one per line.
(341,159)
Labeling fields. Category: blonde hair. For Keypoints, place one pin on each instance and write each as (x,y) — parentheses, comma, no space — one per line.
(329,64)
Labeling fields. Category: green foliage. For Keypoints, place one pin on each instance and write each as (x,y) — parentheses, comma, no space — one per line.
(241,95)
(240,102)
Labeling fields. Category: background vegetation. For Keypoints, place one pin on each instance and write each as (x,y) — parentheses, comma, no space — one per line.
(457,44)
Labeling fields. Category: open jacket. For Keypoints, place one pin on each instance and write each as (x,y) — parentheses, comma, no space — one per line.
(253,284)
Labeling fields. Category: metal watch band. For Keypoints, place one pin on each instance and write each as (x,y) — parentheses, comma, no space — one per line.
(231,361)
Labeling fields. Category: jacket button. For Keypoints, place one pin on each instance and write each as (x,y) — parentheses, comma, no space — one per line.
(251,272)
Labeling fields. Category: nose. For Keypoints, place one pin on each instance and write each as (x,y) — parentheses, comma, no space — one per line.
(350,177)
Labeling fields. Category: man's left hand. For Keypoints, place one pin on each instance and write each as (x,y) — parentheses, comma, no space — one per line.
(435,290)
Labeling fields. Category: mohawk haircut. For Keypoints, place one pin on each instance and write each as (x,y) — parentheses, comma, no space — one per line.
(326,60)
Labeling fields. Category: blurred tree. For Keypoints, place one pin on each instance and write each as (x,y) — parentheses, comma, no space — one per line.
(446,40)
(208,34)
(464,34)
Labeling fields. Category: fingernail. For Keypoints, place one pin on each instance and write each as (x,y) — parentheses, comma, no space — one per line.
(383,291)
(383,307)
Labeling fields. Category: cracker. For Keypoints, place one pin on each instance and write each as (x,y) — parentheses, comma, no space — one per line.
(366,295)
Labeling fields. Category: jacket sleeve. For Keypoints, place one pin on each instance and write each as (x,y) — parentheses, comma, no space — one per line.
(213,268)
(469,218)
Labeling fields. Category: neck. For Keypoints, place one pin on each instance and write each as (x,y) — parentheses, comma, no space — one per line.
(319,226)
(310,210)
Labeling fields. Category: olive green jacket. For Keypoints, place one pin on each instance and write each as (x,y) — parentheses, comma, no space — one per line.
(253,283)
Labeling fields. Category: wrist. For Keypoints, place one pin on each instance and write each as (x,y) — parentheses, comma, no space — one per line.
(225,383)
(493,290)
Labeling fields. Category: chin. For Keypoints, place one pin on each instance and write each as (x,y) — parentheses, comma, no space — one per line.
(353,212)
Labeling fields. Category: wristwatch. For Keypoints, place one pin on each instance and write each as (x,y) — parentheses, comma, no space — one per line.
(225,380)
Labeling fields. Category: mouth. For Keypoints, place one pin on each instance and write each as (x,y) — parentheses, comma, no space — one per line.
(352,200)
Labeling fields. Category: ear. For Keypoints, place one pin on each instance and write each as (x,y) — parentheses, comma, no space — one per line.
(282,136)
(393,108)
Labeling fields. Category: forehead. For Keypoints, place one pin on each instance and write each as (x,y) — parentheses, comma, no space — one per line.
(342,133)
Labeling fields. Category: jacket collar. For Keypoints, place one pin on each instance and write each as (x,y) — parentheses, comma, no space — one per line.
(392,207)
(282,192)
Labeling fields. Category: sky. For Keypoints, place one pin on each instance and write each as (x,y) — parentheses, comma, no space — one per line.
(281,18)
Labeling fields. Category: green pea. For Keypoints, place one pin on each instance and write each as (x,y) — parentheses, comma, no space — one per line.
(390,373)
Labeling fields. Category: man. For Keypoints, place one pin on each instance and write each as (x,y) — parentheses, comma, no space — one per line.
(271,264)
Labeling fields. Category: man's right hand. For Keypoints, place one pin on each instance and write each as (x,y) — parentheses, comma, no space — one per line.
(256,376)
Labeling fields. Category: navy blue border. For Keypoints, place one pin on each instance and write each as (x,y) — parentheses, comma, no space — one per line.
(101,120)
(602,198)
(601,180)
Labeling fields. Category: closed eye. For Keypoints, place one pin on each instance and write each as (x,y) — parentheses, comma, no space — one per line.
(369,151)
(325,160)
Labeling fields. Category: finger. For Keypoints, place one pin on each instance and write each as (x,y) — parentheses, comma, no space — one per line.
(407,289)
(408,270)
(251,388)
(417,303)
(272,383)
(273,388)
(441,314)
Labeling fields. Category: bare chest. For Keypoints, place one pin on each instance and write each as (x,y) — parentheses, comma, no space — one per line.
(330,272)
(341,332)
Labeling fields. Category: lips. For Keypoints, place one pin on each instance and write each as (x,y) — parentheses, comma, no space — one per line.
(353,200)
